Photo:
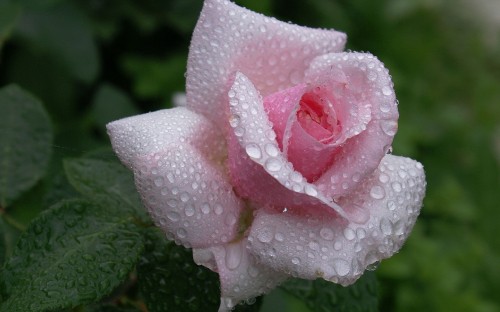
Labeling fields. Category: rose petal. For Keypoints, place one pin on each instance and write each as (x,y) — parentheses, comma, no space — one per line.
(258,168)
(273,54)
(313,245)
(147,134)
(176,158)
(241,276)
(368,81)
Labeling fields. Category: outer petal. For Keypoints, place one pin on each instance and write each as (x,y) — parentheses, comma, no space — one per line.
(175,155)
(370,82)
(258,167)
(229,38)
(312,246)
(241,277)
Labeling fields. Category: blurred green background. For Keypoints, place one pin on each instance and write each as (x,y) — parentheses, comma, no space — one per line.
(93,61)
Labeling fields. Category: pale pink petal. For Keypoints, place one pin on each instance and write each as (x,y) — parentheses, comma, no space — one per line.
(147,134)
(313,245)
(308,156)
(258,168)
(176,156)
(368,84)
(271,53)
(241,276)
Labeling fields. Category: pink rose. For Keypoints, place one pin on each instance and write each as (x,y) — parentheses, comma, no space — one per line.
(277,166)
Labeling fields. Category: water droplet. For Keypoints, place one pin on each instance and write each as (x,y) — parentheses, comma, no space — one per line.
(271,150)
(279,237)
(349,233)
(372,75)
(266,235)
(377,192)
(386,90)
(311,190)
(396,186)
(341,266)
(391,205)
(390,127)
(158,181)
(218,209)
(386,227)
(337,246)
(205,208)
(296,261)
(181,233)
(253,150)
(184,197)
(384,178)
(273,165)
(313,245)
(326,233)
(189,211)
(234,121)
(173,216)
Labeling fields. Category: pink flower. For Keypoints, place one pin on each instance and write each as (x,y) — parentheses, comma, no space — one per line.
(277,165)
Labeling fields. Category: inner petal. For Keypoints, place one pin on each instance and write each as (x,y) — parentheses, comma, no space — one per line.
(318,117)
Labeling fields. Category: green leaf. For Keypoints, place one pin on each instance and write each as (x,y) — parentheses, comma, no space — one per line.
(320,295)
(64,32)
(25,142)
(110,308)
(110,103)
(9,12)
(8,239)
(108,183)
(156,78)
(72,254)
(3,243)
(169,280)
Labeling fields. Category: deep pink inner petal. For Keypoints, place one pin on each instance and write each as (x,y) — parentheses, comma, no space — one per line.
(318,117)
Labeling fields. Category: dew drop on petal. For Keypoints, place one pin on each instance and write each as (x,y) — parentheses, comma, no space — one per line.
(273,165)
(181,233)
(386,227)
(396,186)
(384,178)
(266,235)
(377,192)
(326,233)
(310,190)
(173,216)
(271,150)
(349,234)
(341,266)
(386,90)
(218,209)
(158,181)
(337,246)
(253,150)
(390,127)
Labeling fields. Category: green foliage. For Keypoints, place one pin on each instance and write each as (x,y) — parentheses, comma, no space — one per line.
(156,78)
(25,142)
(110,104)
(320,295)
(63,33)
(9,12)
(74,253)
(106,182)
(169,280)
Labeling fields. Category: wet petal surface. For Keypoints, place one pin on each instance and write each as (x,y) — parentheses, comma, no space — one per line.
(315,245)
